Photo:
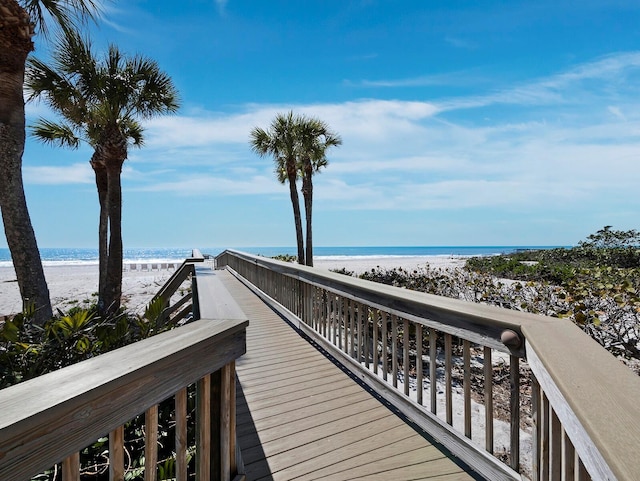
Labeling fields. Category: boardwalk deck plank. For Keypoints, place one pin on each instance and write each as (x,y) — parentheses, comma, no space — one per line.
(301,417)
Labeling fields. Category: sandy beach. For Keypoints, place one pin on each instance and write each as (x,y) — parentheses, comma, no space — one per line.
(70,284)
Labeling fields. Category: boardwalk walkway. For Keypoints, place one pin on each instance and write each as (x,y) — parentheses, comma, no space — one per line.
(301,417)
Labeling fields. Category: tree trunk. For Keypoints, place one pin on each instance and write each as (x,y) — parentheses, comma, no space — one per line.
(113,278)
(307,193)
(297,217)
(112,151)
(102,186)
(15,44)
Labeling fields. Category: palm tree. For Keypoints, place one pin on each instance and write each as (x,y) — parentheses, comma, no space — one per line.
(314,139)
(101,102)
(19,20)
(280,141)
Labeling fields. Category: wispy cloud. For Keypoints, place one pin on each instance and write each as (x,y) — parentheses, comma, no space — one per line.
(222,5)
(461,43)
(59,175)
(459,78)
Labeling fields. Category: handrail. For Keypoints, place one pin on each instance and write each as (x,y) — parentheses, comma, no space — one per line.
(51,418)
(178,277)
(48,418)
(584,405)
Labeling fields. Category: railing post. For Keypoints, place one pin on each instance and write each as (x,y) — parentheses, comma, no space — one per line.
(216,455)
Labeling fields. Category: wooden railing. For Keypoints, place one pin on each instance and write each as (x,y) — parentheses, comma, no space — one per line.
(52,418)
(565,407)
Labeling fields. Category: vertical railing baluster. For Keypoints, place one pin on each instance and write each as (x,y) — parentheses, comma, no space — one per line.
(406,360)
(352,327)
(151,443)
(488,399)
(394,350)
(375,357)
(339,304)
(568,457)
(232,418)
(325,312)
(545,438)
(116,454)
(360,319)
(224,444)
(203,427)
(466,384)
(344,319)
(71,468)
(555,447)
(581,471)
(514,381)
(181,435)
(367,337)
(419,366)
(448,379)
(536,417)
(385,342)
(433,372)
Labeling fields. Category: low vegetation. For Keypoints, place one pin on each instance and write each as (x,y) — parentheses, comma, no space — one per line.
(28,350)
(595,284)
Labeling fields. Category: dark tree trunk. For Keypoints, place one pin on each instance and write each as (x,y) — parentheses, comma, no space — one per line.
(297,217)
(307,193)
(113,278)
(112,151)
(15,44)
(102,186)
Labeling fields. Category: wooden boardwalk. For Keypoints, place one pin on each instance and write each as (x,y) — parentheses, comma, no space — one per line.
(300,416)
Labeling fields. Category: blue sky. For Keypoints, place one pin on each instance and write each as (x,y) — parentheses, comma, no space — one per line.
(463,123)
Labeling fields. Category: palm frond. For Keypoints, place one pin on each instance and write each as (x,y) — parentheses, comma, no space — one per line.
(54,133)
(65,14)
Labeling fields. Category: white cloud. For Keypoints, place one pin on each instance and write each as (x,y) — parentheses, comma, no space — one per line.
(564,141)
(59,175)
(214,185)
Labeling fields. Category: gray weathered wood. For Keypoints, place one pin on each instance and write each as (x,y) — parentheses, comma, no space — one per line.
(151,443)
(479,460)
(181,434)
(116,454)
(466,354)
(46,419)
(581,379)
(71,468)
(488,399)
(213,298)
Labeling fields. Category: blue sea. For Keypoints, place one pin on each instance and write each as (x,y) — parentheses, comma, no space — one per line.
(85,256)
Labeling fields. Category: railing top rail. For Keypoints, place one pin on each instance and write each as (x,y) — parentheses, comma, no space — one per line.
(594,393)
(453,315)
(50,417)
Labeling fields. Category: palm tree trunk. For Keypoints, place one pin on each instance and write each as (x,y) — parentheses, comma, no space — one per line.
(307,192)
(297,217)
(15,45)
(113,278)
(102,186)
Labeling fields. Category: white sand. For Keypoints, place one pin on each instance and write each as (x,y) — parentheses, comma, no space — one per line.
(358,265)
(70,284)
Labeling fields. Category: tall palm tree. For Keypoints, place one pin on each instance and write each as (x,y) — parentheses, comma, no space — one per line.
(281,142)
(19,21)
(314,139)
(101,102)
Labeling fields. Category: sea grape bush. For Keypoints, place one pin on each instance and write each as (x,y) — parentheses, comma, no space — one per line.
(603,301)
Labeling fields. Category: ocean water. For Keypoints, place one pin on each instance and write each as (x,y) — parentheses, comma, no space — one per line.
(85,256)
